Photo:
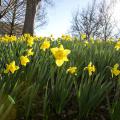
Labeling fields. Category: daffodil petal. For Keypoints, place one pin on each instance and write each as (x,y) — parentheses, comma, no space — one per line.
(65,59)
(61,47)
(53,50)
(67,51)
(59,62)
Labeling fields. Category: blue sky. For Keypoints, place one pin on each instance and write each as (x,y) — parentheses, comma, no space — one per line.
(60,16)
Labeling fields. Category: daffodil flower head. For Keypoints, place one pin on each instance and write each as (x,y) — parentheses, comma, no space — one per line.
(60,54)
(29,52)
(68,37)
(117,46)
(91,68)
(45,45)
(83,36)
(92,40)
(11,67)
(24,60)
(29,39)
(86,43)
(72,70)
(115,71)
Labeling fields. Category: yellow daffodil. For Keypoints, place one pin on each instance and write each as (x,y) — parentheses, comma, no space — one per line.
(45,45)
(86,43)
(115,70)
(21,38)
(24,60)
(29,39)
(72,70)
(90,68)
(92,40)
(11,67)
(35,38)
(117,46)
(60,54)
(83,36)
(29,52)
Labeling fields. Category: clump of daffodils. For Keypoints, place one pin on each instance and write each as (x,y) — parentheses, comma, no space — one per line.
(24,60)
(11,67)
(7,38)
(117,46)
(45,45)
(90,68)
(66,37)
(72,70)
(60,55)
(115,71)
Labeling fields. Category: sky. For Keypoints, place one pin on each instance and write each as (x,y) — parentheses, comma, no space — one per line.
(60,16)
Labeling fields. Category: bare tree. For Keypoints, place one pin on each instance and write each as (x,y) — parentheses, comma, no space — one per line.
(6,5)
(106,22)
(12,21)
(94,21)
(87,21)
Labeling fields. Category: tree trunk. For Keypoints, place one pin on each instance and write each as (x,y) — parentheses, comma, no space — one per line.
(13,18)
(30,16)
